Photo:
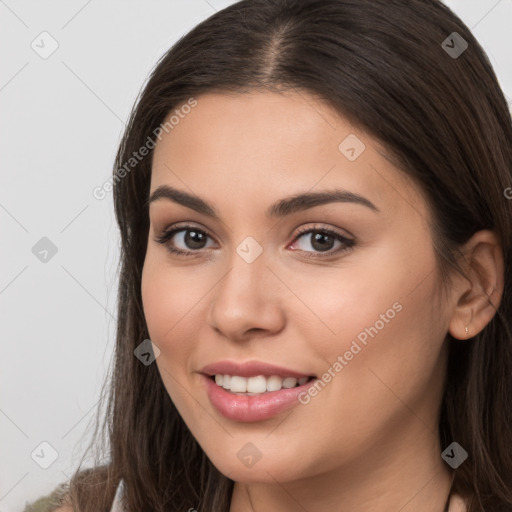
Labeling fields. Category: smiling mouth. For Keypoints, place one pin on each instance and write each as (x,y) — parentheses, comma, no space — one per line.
(257,385)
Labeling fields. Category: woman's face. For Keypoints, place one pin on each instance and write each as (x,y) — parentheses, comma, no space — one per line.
(357,308)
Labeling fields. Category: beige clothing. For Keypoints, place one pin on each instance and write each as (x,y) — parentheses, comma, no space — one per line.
(51,503)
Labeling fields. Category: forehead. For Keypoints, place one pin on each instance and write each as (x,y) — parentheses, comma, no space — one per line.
(258,143)
(228,125)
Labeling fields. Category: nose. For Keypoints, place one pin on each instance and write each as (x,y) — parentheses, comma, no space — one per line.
(247,300)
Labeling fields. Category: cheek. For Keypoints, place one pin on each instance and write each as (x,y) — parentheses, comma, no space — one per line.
(360,302)
(388,361)
(171,302)
(381,317)
(171,299)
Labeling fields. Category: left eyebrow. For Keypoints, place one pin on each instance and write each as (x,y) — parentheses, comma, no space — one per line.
(308,200)
(281,208)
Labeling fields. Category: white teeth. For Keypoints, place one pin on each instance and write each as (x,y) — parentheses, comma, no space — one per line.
(289,382)
(274,383)
(238,384)
(258,384)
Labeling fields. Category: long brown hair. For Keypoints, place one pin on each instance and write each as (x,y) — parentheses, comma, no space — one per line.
(383,66)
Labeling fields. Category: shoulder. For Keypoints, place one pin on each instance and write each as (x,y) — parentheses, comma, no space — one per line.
(57,501)
(91,489)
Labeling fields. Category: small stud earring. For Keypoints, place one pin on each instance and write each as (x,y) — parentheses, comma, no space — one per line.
(467,329)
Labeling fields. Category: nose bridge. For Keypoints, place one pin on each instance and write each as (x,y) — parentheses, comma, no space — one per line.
(247,277)
(241,300)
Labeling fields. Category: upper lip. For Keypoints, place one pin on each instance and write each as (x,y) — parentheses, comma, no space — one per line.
(250,369)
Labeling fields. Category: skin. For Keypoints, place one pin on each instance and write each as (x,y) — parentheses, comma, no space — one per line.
(368,441)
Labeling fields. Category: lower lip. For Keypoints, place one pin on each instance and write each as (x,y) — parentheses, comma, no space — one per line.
(253,408)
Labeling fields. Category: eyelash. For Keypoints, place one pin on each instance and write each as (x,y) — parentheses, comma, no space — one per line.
(348,243)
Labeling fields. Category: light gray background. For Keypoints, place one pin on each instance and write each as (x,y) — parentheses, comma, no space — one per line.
(62,118)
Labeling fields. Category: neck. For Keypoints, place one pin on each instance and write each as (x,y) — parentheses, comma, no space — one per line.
(405,474)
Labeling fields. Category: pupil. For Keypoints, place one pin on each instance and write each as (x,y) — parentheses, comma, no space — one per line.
(318,237)
(194,239)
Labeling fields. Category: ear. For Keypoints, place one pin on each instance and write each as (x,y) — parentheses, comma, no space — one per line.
(477,297)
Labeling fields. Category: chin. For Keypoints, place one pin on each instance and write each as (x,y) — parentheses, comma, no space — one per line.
(267,469)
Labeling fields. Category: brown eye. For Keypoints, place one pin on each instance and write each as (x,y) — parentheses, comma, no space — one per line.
(322,240)
(194,239)
(184,240)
